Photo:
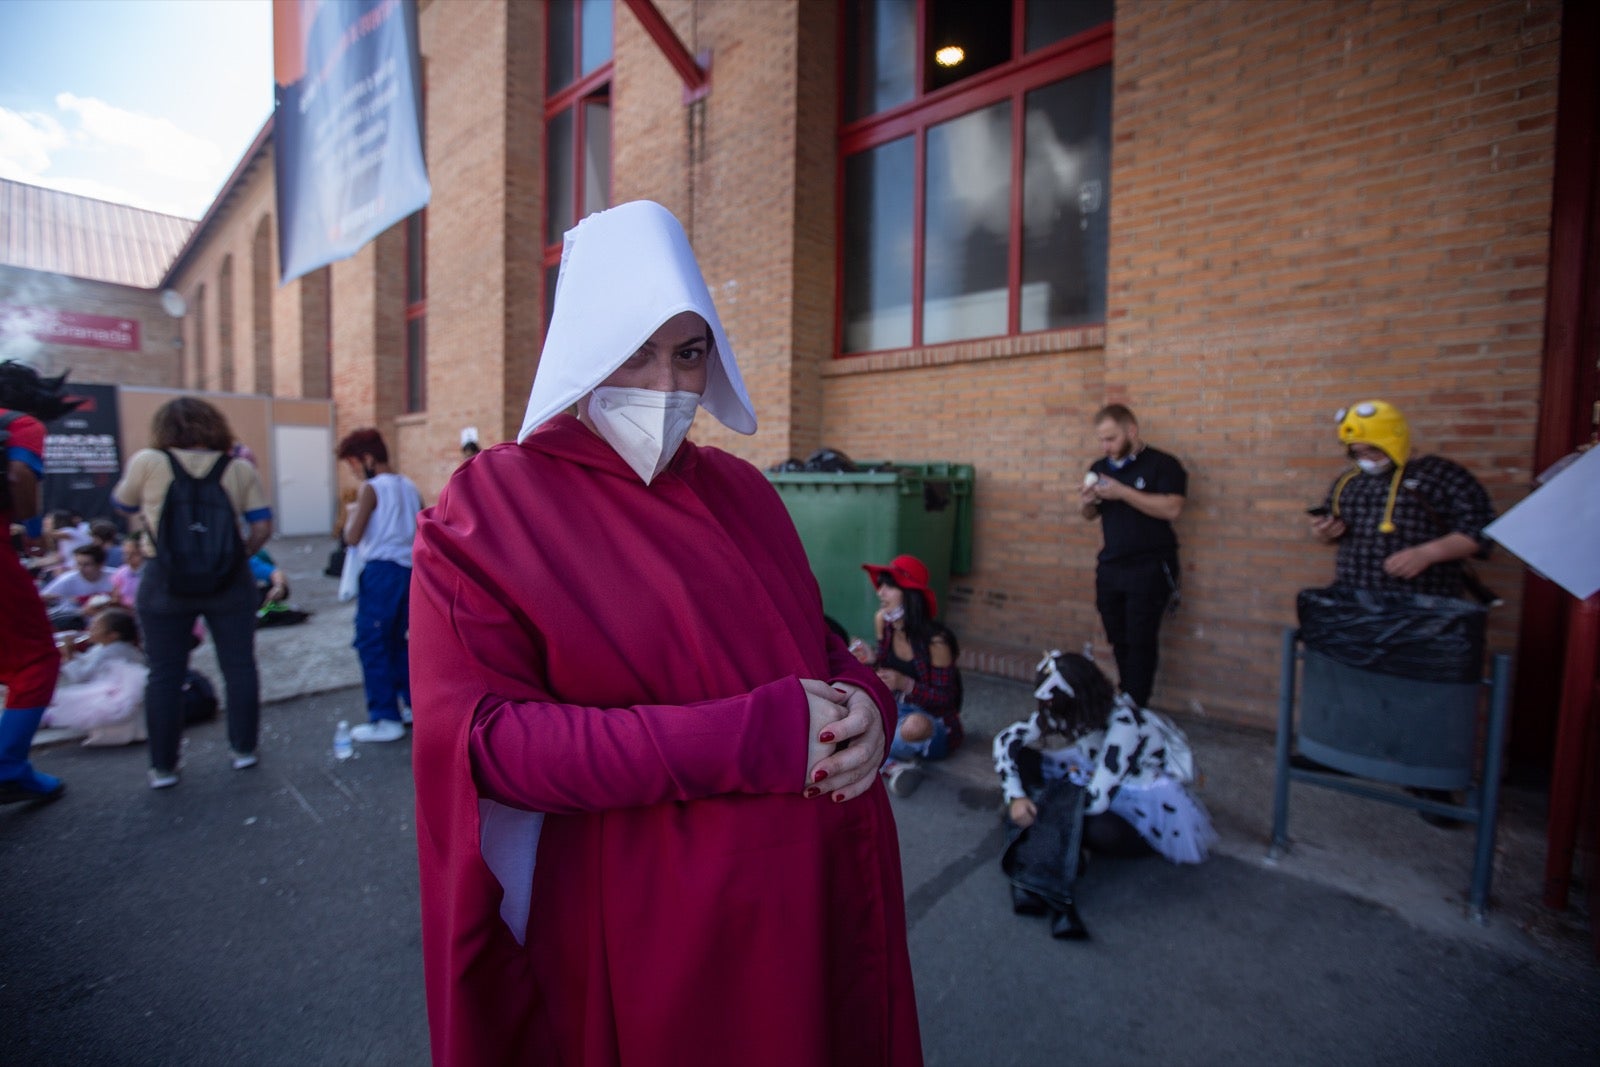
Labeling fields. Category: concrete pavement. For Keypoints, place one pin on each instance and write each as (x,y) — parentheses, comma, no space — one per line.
(270,916)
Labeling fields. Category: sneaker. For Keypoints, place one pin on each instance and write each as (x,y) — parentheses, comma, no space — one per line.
(245,760)
(405,711)
(902,778)
(381,730)
(162,779)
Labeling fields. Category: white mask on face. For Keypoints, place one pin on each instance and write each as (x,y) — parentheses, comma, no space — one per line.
(645,426)
(1374,466)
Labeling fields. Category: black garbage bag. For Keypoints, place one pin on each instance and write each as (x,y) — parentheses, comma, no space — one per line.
(1407,635)
(829,460)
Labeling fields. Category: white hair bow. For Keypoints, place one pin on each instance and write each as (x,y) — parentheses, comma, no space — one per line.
(1054,683)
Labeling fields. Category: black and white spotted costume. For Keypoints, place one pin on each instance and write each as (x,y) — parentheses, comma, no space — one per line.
(1123,769)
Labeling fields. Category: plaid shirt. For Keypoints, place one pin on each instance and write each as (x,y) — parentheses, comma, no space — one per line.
(1436,497)
(937,690)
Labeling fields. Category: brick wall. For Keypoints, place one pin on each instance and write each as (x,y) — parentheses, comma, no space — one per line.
(1311,204)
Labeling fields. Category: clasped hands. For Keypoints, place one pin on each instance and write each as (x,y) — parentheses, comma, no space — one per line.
(844,740)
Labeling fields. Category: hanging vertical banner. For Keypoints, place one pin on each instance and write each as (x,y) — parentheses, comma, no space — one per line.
(82,457)
(347,126)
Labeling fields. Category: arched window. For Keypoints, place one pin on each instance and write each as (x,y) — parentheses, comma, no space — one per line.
(225,325)
(196,378)
(261,274)
(577,122)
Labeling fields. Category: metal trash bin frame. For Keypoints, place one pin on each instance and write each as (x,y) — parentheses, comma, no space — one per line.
(1483,799)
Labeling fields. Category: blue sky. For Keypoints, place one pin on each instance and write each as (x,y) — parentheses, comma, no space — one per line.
(142,102)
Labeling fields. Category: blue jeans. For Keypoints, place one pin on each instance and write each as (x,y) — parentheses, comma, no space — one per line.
(383,620)
(936,746)
(168,624)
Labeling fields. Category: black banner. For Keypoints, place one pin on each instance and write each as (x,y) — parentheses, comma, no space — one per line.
(83,456)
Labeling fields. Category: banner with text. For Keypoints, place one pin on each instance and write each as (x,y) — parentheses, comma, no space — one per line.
(82,457)
(347,126)
(51,326)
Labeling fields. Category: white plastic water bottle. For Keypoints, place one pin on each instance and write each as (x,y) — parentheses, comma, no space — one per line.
(343,745)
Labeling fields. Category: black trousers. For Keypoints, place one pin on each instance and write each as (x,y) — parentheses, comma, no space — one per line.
(1132,597)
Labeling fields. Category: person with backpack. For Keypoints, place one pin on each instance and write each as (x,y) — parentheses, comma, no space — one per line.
(380,529)
(192,498)
(28,659)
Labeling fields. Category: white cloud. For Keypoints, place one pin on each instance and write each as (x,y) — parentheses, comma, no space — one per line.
(162,147)
(26,141)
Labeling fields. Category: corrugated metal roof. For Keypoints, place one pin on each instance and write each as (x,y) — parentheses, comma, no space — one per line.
(42,229)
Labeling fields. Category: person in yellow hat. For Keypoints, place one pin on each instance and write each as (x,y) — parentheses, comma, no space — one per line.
(1403,523)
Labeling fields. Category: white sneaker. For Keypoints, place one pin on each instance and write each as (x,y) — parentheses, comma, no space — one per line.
(405,710)
(162,779)
(382,730)
(245,760)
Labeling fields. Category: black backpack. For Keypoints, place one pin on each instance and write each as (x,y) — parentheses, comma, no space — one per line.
(6,419)
(198,542)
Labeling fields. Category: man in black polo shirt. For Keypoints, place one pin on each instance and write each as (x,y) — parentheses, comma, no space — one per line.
(1137,492)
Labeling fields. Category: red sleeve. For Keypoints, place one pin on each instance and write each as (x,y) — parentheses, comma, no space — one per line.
(563,759)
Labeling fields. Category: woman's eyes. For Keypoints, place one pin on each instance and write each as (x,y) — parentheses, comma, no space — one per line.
(691,355)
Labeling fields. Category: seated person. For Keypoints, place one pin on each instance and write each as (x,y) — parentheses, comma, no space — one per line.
(916,658)
(104,534)
(125,579)
(102,690)
(1089,770)
(64,533)
(271,582)
(65,595)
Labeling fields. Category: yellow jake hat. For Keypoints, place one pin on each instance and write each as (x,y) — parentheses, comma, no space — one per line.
(1377,423)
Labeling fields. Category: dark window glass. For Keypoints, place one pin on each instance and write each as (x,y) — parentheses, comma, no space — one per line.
(964,38)
(1066,202)
(967,234)
(558,177)
(416,365)
(550,276)
(559,66)
(878,243)
(414,259)
(595,25)
(880,55)
(596,155)
(1049,21)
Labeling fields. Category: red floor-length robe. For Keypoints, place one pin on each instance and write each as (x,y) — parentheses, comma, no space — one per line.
(626,658)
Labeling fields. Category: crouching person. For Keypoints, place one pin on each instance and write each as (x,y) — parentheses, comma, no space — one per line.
(1090,772)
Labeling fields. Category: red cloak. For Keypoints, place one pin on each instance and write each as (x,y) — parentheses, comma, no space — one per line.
(626,659)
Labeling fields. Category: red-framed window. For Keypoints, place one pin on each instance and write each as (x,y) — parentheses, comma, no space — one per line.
(577,122)
(416,373)
(975,149)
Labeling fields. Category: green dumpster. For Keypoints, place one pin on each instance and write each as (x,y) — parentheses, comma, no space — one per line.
(873,514)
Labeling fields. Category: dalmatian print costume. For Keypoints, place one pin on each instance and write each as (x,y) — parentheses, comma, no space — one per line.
(1124,769)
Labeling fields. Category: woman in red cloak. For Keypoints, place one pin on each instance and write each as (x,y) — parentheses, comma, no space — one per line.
(650,827)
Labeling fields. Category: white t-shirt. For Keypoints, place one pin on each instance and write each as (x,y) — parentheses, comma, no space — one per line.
(70,585)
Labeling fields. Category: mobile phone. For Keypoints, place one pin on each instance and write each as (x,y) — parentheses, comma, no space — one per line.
(1319,512)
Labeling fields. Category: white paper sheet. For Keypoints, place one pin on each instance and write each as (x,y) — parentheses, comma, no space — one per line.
(1556,530)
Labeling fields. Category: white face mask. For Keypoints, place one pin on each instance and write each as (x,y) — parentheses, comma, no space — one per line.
(1374,466)
(645,426)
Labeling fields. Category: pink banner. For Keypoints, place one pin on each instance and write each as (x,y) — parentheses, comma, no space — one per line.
(53,327)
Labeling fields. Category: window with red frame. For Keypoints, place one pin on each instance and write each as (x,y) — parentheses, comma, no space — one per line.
(577,122)
(975,151)
(416,380)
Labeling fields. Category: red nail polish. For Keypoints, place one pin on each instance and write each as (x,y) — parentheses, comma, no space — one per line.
(819,775)
(811,791)
(825,737)
(838,798)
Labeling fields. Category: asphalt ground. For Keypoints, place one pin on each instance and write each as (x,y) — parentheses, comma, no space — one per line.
(271,916)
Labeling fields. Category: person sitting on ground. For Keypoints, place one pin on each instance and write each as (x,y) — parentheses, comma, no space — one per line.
(1089,769)
(125,579)
(271,582)
(916,658)
(104,533)
(102,690)
(65,595)
(64,533)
